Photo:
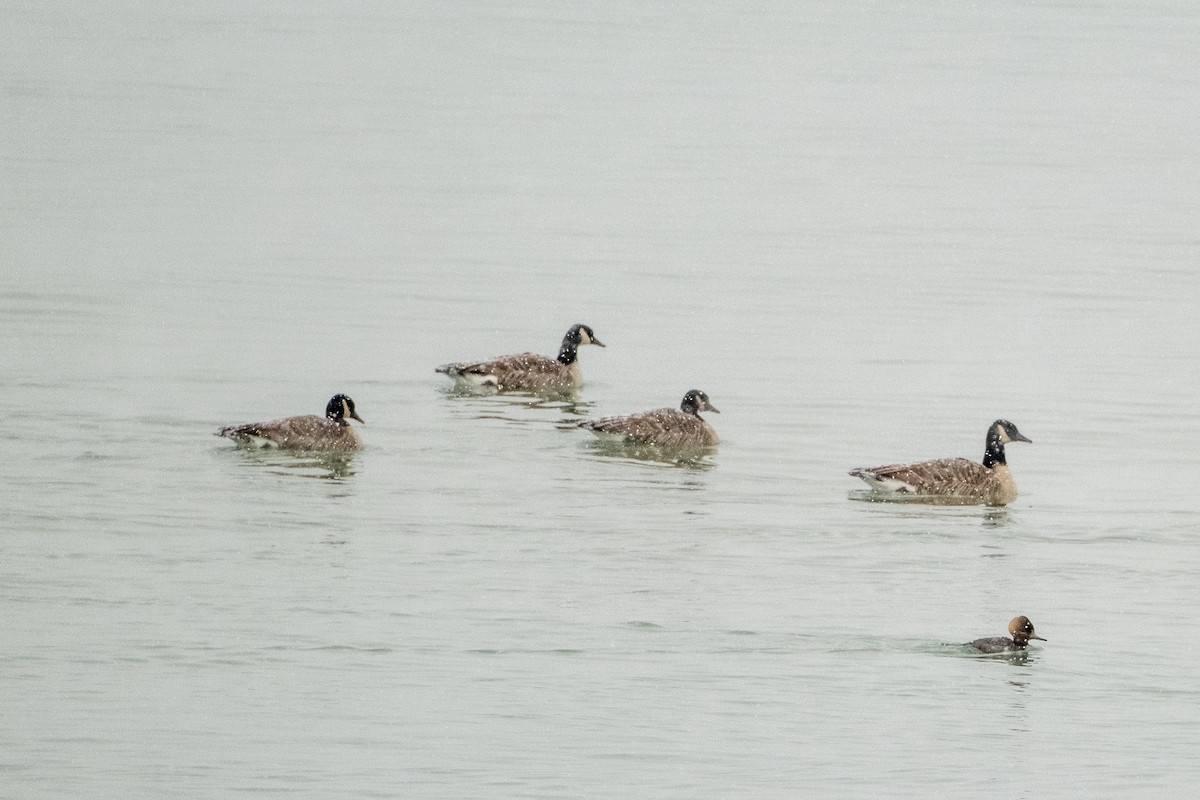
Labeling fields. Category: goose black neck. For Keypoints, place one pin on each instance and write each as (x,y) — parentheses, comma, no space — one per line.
(993,456)
(690,406)
(568,352)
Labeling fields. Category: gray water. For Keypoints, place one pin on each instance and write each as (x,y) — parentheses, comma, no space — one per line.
(865,229)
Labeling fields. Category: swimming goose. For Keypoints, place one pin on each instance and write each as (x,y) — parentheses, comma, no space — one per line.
(664,427)
(527,372)
(1021,631)
(330,432)
(990,483)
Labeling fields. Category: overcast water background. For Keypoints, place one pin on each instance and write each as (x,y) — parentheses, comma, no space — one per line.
(865,229)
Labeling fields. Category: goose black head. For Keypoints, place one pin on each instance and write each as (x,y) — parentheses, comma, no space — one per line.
(1001,433)
(340,407)
(696,401)
(1006,432)
(576,335)
(582,334)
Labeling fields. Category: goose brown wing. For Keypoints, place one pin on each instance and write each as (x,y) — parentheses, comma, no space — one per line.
(523,370)
(274,430)
(667,427)
(960,477)
(638,424)
(305,432)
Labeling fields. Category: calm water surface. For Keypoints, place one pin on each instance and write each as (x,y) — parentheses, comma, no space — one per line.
(865,231)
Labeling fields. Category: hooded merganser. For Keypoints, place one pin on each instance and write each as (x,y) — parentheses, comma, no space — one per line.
(1021,630)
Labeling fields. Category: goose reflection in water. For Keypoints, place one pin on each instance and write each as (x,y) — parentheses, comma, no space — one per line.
(323,466)
(693,458)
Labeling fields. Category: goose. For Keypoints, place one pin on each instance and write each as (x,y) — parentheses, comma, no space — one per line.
(990,483)
(310,432)
(527,372)
(1021,631)
(664,427)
